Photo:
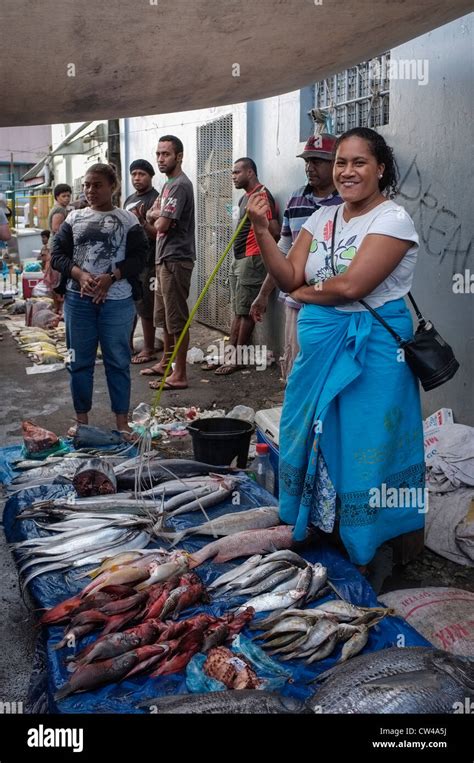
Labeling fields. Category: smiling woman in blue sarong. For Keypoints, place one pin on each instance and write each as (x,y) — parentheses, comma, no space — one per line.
(351,430)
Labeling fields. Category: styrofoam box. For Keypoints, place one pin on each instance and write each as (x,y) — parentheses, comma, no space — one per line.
(268,421)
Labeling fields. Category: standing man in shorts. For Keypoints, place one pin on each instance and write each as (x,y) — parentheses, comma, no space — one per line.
(173,218)
(139,203)
(247,271)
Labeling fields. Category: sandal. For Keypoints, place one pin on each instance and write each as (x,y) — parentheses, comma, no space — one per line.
(151,372)
(167,385)
(226,370)
(142,357)
(209,366)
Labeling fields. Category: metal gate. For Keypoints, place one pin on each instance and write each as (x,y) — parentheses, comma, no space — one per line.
(214,218)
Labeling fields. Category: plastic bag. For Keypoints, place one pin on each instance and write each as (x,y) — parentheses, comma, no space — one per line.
(272,675)
(45,319)
(242,412)
(195,355)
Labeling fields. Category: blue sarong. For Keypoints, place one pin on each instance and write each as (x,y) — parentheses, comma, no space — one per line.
(353,400)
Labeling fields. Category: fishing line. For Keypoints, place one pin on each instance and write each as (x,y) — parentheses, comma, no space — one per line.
(194,310)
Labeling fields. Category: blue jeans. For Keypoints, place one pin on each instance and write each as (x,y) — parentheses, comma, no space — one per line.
(87,324)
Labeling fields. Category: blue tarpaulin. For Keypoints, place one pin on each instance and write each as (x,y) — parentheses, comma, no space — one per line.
(49,589)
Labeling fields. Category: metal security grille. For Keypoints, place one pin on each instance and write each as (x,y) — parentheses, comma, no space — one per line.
(356,97)
(214,218)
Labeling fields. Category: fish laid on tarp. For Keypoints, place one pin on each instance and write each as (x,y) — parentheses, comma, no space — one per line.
(244,543)
(87,436)
(228,524)
(47,473)
(397,680)
(244,702)
(95,477)
(88,677)
(36,438)
(158,471)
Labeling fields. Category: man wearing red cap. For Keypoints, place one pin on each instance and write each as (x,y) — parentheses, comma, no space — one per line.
(320,191)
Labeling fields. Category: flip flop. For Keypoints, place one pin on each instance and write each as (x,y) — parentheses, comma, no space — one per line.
(209,366)
(151,372)
(167,385)
(139,358)
(226,370)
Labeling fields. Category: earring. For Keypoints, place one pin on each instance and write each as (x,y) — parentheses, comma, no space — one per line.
(380,176)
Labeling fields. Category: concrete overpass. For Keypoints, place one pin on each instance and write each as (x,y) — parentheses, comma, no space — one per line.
(71,61)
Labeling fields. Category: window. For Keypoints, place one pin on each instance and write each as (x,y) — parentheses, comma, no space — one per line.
(357,97)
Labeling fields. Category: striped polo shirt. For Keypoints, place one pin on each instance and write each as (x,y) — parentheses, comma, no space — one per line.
(301,205)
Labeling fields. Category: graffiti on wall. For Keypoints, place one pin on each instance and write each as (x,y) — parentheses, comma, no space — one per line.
(439,228)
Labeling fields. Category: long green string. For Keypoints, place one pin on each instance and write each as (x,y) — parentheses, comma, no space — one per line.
(203,293)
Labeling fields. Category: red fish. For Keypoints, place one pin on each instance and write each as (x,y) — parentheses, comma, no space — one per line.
(189,646)
(148,657)
(190,596)
(88,677)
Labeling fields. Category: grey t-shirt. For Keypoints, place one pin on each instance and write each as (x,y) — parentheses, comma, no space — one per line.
(99,244)
(177,203)
(56,210)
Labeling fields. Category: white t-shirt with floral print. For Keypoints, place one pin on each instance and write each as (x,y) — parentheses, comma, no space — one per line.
(388,219)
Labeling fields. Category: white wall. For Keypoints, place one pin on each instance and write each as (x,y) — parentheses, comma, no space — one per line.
(68,167)
(28,144)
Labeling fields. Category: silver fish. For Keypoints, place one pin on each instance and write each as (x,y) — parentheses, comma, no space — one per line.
(246,701)
(227,577)
(226,524)
(213,497)
(281,599)
(268,584)
(324,650)
(397,680)
(355,644)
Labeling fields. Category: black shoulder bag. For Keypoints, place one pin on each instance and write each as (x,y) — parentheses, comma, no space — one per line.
(430,358)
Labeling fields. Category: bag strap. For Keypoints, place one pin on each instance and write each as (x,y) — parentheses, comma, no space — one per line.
(416,309)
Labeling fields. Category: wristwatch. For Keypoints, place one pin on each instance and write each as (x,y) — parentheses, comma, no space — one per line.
(113,277)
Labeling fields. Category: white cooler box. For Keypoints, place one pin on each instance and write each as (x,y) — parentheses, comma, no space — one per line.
(267,423)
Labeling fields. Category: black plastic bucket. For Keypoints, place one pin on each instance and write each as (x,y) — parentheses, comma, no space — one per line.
(218,441)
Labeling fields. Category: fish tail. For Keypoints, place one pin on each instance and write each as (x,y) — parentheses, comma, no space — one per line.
(64,691)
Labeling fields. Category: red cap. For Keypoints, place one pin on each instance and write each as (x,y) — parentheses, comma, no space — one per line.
(262,448)
(320,147)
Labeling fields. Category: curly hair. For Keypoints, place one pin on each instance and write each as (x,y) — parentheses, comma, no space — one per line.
(383,154)
(107,170)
